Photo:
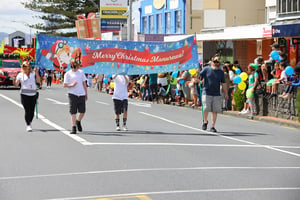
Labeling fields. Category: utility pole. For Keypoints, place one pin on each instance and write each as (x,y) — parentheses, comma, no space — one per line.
(129,22)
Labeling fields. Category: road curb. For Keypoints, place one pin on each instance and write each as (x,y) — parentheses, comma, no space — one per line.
(274,120)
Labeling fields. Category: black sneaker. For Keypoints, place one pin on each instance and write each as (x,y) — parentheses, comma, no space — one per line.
(78,124)
(204,126)
(272,95)
(212,129)
(73,130)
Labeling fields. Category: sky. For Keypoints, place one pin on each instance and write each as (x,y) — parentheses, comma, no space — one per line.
(13,17)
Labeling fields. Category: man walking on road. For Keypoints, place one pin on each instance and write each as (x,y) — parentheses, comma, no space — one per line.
(212,77)
(75,81)
(120,98)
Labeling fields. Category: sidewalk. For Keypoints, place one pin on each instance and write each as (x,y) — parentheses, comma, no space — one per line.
(269,119)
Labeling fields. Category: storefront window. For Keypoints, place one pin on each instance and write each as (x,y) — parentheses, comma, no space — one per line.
(159,24)
(168,22)
(288,6)
(178,21)
(144,25)
(151,24)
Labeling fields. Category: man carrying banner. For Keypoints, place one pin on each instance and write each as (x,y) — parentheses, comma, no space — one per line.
(213,77)
(75,81)
(120,98)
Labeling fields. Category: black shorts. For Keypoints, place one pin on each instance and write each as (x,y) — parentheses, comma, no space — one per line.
(77,103)
(120,106)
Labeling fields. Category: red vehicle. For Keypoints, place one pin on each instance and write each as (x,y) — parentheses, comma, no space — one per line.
(9,69)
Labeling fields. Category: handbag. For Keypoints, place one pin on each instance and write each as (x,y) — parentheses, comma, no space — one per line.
(259,89)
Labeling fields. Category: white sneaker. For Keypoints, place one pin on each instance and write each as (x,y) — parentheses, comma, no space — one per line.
(118,128)
(246,112)
(125,128)
(242,111)
(29,129)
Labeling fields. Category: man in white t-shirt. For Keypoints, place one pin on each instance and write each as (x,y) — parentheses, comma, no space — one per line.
(120,98)
(75,81)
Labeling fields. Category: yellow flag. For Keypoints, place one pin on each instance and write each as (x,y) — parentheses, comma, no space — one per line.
(2,47)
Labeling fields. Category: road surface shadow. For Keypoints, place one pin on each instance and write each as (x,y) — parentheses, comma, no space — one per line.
(238,134)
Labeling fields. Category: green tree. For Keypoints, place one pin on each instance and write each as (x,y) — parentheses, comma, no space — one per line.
(60,15)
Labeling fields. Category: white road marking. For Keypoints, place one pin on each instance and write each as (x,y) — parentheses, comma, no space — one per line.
(57,102)
(183,192)
(147,105)
(52,124)
(230,138)
(146,170)
(196,129)
(103,103)
(171,144)
(286,147)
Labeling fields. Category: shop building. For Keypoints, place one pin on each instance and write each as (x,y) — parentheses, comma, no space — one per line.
(162,17)
(286,28)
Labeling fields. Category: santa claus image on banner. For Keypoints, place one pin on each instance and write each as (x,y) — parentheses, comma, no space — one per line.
(61,54)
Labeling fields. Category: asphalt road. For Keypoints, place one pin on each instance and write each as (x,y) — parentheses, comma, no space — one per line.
(164,156)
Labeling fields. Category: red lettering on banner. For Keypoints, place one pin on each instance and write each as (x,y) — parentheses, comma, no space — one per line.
(134,57)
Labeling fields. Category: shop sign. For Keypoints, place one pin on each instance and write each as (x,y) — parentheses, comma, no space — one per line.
(286,30)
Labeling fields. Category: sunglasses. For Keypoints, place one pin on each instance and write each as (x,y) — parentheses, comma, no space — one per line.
(215,61)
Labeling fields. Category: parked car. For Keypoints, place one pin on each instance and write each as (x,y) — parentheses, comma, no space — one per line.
(9,69)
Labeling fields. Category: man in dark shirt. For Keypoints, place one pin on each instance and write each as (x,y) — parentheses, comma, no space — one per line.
(213,78)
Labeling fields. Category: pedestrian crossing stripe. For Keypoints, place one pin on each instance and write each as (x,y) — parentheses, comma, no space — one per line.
(138,197)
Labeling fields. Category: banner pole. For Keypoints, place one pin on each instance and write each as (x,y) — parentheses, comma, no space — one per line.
(200,87)
(36,103)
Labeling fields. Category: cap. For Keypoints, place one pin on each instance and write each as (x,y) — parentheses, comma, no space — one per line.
(252,66)
(275,45)
(259,58)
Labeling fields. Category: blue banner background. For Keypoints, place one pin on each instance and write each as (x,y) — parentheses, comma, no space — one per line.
(47,47)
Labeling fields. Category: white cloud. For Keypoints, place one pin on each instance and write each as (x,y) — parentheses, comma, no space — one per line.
(14,17)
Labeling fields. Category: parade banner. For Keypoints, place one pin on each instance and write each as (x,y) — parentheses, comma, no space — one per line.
(116,57)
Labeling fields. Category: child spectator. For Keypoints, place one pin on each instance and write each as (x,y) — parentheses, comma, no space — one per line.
(276,74)
(162,94)
(293,82)
(132,93)
(282,79)
(192,86)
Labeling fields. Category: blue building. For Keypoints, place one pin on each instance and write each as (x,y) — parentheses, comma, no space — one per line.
(162,17)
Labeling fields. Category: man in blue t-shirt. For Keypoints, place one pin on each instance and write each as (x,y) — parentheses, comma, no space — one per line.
(212,77)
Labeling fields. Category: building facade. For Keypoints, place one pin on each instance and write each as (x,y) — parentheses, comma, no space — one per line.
(113,15)
(224,25)
(286,28)
(162,17)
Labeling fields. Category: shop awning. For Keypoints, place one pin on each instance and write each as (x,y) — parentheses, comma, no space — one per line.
(259,31)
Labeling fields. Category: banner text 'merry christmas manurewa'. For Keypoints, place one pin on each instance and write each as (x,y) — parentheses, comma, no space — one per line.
(134,57)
